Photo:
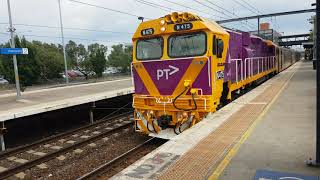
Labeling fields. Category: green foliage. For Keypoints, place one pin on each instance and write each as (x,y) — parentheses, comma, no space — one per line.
(71,51)
(96,58)
(75,54)
(28,65)
(50,58)
(1,67)
(120,57)
(45,61)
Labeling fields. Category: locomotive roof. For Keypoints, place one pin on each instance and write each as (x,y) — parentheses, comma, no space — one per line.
(155,25)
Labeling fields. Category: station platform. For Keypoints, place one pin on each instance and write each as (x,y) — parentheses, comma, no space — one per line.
(267,133)
(44,100)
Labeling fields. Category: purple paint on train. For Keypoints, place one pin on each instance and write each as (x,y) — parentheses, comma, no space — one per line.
(242,46)
(166,75)
(202,81)
(139,87)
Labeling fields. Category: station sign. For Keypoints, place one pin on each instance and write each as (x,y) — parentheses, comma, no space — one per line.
(13,51)
(273,175)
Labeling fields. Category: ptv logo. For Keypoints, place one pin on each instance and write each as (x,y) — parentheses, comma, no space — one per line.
(166,72)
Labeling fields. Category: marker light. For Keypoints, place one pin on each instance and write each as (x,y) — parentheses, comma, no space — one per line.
(163,29)
(162,22)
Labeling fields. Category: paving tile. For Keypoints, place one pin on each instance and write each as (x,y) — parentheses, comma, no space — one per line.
(97,127)
(42,166)
(86,131)
(2,169)
(61,158)
(56,147)
(78,151)
(108,128)
(116,134)
(20,175)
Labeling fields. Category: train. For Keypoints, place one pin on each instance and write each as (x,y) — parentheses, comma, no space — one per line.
(185,67)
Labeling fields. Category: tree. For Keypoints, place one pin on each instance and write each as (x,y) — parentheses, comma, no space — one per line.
(120,57)
(72,53)
(81,53)
(28,65)
(50,58)
(96,58)
(1,67)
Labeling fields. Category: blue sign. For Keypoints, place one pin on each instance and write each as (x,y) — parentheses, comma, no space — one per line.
(272,175)
(8,51)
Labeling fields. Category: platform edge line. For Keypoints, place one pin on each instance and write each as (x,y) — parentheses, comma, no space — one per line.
(233,151)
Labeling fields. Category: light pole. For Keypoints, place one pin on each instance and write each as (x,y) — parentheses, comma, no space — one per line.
(316,162)
(63,45)
(317,48)
(12,44)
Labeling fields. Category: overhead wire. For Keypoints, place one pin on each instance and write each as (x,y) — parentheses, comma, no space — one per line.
(199,2)
(220,7)
(70,28)
(236,1)
(229,16)
(151,4)
(69,37)
(106,8)
(158,6)
(232,13)
(188,7)
(254,8)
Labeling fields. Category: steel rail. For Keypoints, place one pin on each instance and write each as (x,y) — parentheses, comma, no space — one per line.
(101,169)
(20,149)
(14,170)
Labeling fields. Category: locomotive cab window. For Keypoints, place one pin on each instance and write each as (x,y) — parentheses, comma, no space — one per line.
(218,47)
(149,49)
(191,44)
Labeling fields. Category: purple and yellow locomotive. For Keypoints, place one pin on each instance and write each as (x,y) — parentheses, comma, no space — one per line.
(185,67)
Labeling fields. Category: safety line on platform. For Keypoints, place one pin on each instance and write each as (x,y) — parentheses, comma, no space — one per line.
(233,151)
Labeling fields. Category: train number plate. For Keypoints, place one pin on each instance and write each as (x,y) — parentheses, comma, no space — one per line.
(182,27)
(146,32)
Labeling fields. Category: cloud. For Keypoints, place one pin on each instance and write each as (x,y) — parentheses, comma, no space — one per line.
(45,12)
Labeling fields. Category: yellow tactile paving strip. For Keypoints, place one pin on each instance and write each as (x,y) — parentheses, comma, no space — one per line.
(200,161)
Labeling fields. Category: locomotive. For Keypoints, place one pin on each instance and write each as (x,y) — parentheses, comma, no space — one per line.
(185,66)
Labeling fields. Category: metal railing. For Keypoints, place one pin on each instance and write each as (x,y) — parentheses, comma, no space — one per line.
(252,66)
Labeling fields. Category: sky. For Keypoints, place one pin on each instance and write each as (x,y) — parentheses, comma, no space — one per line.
(111,27)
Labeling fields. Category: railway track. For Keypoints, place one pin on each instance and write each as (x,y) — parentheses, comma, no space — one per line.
(29,156)
(103,169)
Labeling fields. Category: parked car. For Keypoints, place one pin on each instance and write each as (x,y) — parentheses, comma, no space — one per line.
(79,73)
(111,70)
(3,81)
